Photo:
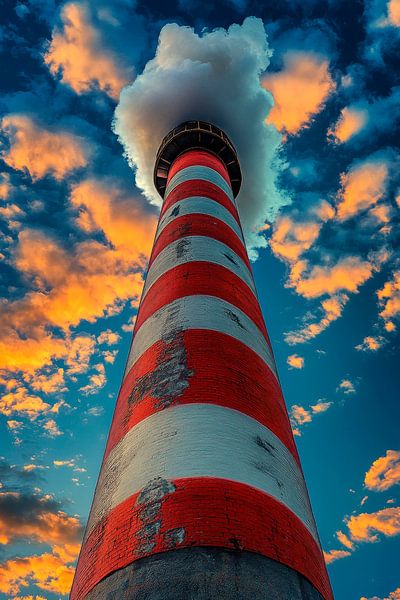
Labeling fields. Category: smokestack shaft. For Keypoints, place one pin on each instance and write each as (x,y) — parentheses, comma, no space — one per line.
(201,493)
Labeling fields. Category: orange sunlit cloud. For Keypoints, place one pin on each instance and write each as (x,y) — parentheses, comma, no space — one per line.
(5,186)
(300,416)
(366,527)
(88,282)
(384,472)
(41,151)
(47,527)
(333,555)
(371,343)
(389,301)
(49,571)
(382,213)
(300,90)
(21,401)
(394,12)
(108,337)
(78,53)
(346,386)
(331,308)
(295,361)
(290,239)
(96,380)
(348,274)
(343,539)
(361,188)
(350,122)
(48,383)
(105,207)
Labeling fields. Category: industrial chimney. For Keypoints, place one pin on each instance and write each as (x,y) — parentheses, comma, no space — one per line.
(201,495)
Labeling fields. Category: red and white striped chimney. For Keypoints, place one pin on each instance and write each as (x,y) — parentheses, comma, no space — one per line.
(201,495)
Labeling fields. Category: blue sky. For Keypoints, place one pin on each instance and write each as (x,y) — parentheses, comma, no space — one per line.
(315,118)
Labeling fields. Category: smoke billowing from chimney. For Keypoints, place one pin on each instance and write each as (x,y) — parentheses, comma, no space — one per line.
(213,77)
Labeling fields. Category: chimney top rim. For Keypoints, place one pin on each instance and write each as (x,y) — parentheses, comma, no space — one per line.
(191,135)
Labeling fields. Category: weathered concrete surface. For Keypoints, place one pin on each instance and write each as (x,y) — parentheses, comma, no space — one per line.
(205,574)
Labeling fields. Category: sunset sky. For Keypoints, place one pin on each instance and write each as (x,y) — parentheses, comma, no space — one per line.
(310,93)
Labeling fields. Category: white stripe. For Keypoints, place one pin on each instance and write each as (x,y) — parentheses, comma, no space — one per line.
(197,248)
(199,205)
(201,440)
(199,172)
(199,312)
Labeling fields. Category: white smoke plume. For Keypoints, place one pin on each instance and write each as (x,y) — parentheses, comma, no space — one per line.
(212,77)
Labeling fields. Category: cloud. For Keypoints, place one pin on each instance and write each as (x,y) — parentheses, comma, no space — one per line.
(343,539)
(347,387)
(367,119)
(14,476)
(88,281)
(299,415)
(291,239)
(48,383)
(295,361)
(110,356)
(105,206)
(333,555)
(51,428)
(366,527)
(20,401)
(383,30)
(80,351)
(79,53)
(27,516)
(295,231)
(5,186)
(347,274)
(351,121)
(372,343)
(40,150)
(51,572)
(96,381)
(64,463)
(384,472)
(95,411)
(392,596)
(362,186)
(300,90)
(394,12)
(389,301)
(108,337)
(214,77)
(331,309)
(40,519)
(320,407)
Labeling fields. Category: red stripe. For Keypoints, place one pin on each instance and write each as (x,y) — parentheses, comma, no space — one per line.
(203,225)
(198,158)
(199,187)
(204,278)
(200,366)
(199,512)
